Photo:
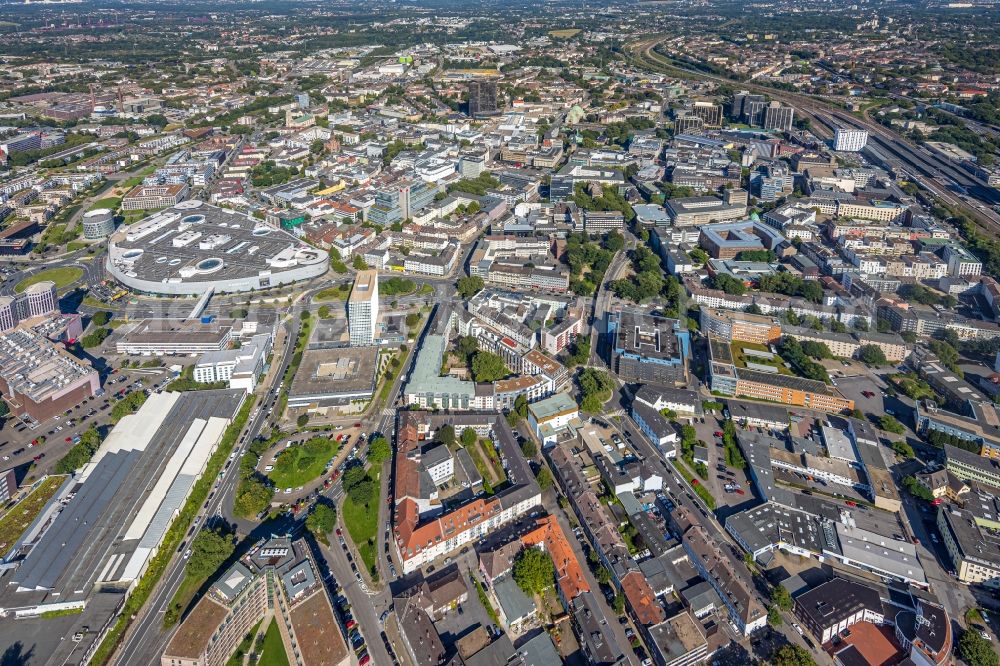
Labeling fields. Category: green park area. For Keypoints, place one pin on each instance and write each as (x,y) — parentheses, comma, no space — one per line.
(300,464)
(273,652)
(360,513)
(63,277)
(19,517)
(338,292)
(107,202)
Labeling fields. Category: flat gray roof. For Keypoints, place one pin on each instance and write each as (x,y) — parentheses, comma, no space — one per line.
(87,534)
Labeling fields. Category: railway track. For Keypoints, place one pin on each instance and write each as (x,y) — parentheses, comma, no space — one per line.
(825,114)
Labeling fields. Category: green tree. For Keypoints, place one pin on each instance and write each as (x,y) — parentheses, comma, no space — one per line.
(127,405)
(890,424)
(699,256)
(100,318)
(917,489)
(792,655)
(362,492)
(618,605)
(903,449)
(533,571)
(774,617)
(817,350)
(729,284)
(488,367)
(521,406)
(467,345)
(976,650)
(359,263)
(81,452)
(544,478)
(614,241)
(209,550)
(781,598)
(468,437)
(470,286)
(302,420)
(591,404)
(412,319)
(529,448)
(322,520)
(446,435)
(253,495)
(872,355)
(324,312)
(379,450)
(4,410)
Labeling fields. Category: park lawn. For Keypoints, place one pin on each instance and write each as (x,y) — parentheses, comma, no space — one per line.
(108,202)
(273,653)
(565,33)
(332,294)
(184,595)
(63,277)
(14,522)
(298,465)
(362,524)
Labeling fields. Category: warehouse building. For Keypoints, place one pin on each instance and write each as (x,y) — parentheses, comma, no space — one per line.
(96,537)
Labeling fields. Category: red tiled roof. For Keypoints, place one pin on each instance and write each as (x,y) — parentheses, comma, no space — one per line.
(569,574)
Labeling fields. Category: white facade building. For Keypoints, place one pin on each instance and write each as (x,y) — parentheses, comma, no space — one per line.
(362,309)
(239,367)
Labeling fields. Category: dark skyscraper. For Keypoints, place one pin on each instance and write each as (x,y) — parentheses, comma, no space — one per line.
(482,98)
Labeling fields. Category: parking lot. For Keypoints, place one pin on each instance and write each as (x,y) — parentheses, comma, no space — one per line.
(43,444)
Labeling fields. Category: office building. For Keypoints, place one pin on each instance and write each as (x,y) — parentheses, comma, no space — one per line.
(753,110)
(730,325)
(154,197)
(741,101)
(37,300)
(98,223)
(239,367)
(778,117)
(647,348)
(362,309)
(849,140)
(549,416)
(696,211)
(482,98)
(334,378)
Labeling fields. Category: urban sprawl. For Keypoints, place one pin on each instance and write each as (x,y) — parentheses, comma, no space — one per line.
(426,334)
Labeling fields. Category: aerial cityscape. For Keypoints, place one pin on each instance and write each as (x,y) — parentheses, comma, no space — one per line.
(450,333)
